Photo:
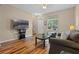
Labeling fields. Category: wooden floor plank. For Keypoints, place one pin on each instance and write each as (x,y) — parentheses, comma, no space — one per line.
(22,47)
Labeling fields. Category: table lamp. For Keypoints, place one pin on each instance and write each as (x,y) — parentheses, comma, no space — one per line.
(72,27)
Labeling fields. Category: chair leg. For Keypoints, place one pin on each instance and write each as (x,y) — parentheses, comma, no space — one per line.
(43,43)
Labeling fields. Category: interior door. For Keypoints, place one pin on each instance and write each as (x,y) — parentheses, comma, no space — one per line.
(40,25)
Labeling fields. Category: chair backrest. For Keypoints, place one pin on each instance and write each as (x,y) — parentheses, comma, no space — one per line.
(59,34)
(53,35)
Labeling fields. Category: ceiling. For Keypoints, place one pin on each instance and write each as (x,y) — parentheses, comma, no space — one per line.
(38,8)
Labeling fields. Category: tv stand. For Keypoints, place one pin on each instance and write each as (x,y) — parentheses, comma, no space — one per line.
(21,33)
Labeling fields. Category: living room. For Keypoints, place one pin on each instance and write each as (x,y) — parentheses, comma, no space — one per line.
(44,19)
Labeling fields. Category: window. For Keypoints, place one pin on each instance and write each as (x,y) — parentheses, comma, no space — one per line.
(53,22)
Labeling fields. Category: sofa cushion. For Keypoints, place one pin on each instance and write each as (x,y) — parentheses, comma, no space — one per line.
(74,36)
(65,35)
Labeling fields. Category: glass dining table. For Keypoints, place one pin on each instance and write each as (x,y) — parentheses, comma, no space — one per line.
(41,37)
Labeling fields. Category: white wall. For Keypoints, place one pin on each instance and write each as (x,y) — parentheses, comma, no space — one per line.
(65,18)
(77,16)
(7,13)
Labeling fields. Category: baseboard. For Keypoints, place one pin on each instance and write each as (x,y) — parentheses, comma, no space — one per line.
(13,39)
(6,41)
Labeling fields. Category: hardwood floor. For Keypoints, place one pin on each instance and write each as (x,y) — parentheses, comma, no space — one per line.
(22,47)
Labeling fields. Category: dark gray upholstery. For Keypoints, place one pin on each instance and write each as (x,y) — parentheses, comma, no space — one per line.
(56,46)
(74,36)
(71,44)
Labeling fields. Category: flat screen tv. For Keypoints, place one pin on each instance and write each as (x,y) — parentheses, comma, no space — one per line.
(19,24)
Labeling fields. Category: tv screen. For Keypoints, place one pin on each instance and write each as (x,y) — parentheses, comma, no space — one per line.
(20,24)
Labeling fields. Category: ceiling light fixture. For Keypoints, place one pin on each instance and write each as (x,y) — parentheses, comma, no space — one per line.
(44,6)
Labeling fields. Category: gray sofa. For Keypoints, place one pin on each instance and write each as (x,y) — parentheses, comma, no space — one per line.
(70,45)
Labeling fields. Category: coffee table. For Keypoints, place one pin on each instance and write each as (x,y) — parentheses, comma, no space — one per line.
(41,37)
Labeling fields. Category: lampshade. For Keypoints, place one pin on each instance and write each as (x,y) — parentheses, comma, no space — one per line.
(72,27)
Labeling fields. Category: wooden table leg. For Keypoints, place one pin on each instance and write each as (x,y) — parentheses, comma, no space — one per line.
(44,43)
(35,40)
